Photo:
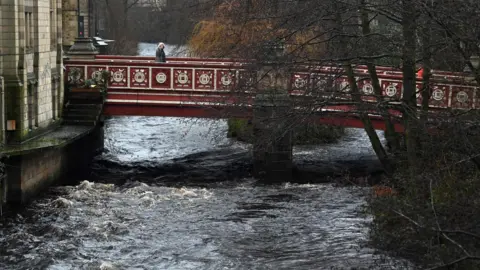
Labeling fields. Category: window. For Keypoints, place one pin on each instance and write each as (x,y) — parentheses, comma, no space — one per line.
(28,30)
(53,23)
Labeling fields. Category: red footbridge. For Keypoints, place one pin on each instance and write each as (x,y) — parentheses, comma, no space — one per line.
(221,88)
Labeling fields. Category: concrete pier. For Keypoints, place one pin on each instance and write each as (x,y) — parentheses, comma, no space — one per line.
(272,147)
(272,127)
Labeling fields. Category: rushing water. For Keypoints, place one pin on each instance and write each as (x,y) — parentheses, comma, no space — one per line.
(148,49)
(171,193)
(229,224)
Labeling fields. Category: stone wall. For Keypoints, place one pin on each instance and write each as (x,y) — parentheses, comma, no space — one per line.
(13,45)
(32,70)
(2,109)
(1,41)
(31,172)
(31,65)
(70,20)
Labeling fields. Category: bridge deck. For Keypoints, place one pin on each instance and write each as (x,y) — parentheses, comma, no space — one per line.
(195,87)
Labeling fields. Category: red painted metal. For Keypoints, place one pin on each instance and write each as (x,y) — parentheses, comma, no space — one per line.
(230,60)
(197,87)
(138,97)
(175,111)
(170,59)
(218,112)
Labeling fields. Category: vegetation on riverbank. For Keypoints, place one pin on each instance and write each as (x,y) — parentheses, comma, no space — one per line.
(432,216)
(242,130)
(427,208)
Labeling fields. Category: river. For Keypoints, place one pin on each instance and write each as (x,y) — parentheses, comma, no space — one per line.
(171,193)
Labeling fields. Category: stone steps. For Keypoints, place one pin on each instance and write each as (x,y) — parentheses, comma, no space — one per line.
(80,116)
(83,108)
(87,97)
(78,122)
(77,100)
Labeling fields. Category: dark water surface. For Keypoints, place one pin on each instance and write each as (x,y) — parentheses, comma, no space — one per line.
(150,208)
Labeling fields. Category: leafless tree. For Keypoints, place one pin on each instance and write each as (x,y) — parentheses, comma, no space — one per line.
(438,157)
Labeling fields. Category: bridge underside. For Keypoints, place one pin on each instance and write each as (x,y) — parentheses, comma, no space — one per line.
(219,112)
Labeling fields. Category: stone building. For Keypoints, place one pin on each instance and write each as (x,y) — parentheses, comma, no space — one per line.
(31,71)
(78,20)
(36,149)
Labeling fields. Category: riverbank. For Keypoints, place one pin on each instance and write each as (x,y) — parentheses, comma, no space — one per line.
(430,212)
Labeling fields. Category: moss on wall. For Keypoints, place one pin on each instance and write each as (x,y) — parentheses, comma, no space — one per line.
(309,133)
(240,129)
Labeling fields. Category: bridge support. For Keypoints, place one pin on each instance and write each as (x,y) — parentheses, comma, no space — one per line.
(83,48)
(272,147)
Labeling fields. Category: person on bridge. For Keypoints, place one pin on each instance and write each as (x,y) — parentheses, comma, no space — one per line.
(160,53)
(420,73)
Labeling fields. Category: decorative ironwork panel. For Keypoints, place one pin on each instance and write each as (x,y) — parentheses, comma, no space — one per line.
(161,78)
(95,72)
(75,74)
(391,89)
(322,84)
(462,97)
(119,76)
(439,95)
(342,88)
(366,90)
(139,77)
(226,79)
(204,79)
(300,81)
(182,78)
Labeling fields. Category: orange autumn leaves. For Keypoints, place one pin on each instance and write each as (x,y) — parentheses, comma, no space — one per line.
(383,191)
(237,32)
(216,39)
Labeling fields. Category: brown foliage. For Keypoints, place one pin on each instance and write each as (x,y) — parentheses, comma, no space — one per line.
(233,32)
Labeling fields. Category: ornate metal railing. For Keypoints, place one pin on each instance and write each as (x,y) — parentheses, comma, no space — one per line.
(200,75)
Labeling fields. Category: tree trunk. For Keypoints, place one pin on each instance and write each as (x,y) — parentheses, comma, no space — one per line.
(409,81)
(367,123)
(426,34)
(390,134)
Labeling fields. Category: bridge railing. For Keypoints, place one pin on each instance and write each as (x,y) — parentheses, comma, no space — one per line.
(199,75)
(170,59)
(380,69)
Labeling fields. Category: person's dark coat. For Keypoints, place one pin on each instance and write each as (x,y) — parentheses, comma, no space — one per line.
(160,55)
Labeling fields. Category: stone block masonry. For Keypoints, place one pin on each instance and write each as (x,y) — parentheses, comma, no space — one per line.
(29,173)
(35,151)
(56,160)
(70,9)
(272,146)
(31,65)
(272,130)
